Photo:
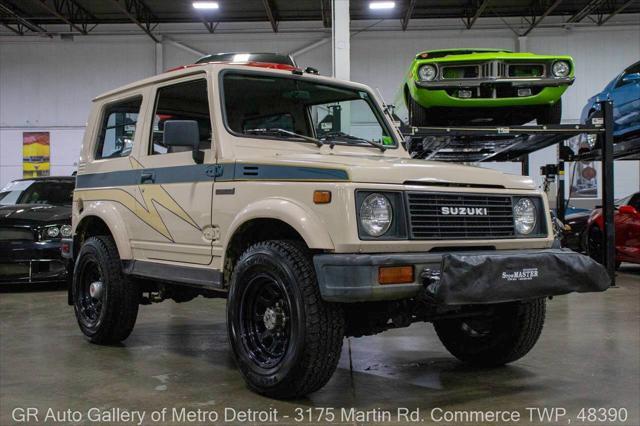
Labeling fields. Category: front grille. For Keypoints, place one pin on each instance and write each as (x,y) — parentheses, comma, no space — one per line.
(428,222)
(10,233)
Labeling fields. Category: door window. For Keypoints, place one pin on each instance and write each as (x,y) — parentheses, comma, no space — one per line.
(118,129)
(183,101)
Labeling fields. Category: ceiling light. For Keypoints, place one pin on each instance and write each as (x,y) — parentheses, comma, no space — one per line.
(205,5)
(378,5)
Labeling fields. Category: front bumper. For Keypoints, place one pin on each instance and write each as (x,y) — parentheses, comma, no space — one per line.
(477,82)
(460,278)
(30,262)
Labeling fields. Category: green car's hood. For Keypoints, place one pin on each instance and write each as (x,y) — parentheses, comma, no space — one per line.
(492,55)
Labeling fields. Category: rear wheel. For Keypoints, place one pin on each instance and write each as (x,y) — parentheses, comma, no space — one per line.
(505,336)
(286,339)
(595,247)
(105,301)
(550,114)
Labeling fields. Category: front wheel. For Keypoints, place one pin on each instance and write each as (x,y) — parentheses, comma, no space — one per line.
(550,114)
(105,301)
(285,338)
(418,115)
(504,336)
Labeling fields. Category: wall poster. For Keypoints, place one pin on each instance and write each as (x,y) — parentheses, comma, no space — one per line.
(35,154)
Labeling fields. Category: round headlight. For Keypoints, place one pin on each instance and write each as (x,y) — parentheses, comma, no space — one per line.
(561,68)
(376,215)
(65,231)
(53,232)
(427,72)
(524,213)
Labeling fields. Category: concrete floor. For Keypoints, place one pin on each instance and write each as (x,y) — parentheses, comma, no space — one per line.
(178,356)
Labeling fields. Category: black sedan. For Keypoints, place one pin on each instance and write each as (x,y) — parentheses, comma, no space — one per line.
(34,215)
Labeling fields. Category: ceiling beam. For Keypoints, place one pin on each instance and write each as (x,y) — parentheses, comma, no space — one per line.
(76,16)
(408,14)
(21,21)
(480,9)
(268,7)
(536,21)
(616,11)
(585,11)
(211,25)
(140,14)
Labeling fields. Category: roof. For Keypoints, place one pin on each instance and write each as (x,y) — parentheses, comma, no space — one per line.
(81,16)
(185,70)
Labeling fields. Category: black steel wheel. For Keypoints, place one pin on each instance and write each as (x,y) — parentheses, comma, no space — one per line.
(105,301)
(507,334)
(91,295)
(286,340)
(265,320)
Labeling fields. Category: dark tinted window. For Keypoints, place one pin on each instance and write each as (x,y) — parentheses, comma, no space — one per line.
(184,101)
(38,192)
(264,105)
(635,201)
(118,129)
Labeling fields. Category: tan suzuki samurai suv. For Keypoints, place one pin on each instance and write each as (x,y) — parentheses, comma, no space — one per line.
(290,194)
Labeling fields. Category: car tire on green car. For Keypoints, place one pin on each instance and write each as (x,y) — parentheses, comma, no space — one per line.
(418,115)
(286,340)
(550,114)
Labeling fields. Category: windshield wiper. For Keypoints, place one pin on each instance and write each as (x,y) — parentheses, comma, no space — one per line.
(344,136)
(276,130)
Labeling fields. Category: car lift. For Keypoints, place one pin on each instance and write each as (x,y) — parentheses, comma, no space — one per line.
(472,144)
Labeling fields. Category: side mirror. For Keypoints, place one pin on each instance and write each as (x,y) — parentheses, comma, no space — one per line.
(184,133)
(627,210)
(629,78)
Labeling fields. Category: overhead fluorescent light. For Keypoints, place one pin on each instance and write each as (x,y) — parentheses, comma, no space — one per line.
(206,5)
(379,5)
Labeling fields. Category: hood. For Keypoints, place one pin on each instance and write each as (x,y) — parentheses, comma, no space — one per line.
(36,214)
(395,170)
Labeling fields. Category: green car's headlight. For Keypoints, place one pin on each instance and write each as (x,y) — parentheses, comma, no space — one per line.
(524,214)
(376,215)
(561,68)
(427,72)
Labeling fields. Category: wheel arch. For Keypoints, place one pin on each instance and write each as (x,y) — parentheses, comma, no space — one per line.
(273,219)
(105,222)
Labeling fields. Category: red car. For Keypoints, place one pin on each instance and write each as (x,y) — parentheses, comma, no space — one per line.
(627,221)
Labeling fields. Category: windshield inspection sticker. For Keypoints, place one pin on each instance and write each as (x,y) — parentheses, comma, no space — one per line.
(526,274)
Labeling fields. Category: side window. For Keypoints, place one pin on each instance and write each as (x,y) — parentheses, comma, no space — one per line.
(118,129)
(634,69)
(183,101)
(635,202)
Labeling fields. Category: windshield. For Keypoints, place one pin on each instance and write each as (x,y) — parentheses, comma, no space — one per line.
(37,192)
(275,107)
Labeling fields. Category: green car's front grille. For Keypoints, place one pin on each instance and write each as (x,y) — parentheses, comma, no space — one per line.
(526,70)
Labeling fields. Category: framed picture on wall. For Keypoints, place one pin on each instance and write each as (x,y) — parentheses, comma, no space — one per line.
(35,154)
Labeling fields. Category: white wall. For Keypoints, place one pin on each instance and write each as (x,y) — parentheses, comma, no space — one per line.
(48,84)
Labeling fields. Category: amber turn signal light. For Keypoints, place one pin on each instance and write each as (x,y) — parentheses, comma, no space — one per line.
(395,274)
(322,197)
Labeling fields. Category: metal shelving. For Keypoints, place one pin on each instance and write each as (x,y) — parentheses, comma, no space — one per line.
(515,143)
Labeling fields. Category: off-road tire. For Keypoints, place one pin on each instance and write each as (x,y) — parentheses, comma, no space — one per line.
(314,342)
(121,296)
(550,114)
(418,115)
(514,330)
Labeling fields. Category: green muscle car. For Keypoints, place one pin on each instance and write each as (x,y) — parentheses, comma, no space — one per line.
(493,86)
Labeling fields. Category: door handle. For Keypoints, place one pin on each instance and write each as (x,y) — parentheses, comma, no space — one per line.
(147,177)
